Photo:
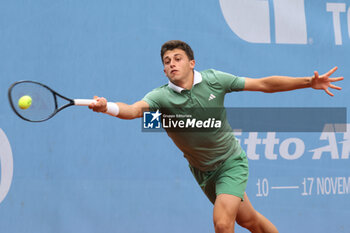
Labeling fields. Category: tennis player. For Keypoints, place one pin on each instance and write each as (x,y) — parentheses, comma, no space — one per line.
(216,159)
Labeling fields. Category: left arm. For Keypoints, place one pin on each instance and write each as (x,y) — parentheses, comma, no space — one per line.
(283,83)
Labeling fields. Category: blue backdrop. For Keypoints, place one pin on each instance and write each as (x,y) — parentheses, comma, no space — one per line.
(88,172)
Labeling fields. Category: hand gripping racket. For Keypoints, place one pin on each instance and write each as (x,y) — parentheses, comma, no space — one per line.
(44,101)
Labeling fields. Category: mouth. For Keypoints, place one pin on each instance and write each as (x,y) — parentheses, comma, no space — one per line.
(173,71)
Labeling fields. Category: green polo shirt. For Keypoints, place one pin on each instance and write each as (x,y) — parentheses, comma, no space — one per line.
(203,150)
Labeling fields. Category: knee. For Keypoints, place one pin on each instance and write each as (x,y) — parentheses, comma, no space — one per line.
(249,223)
(223,226)
(256,223)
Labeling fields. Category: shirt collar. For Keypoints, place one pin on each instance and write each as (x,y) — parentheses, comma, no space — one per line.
(197,78)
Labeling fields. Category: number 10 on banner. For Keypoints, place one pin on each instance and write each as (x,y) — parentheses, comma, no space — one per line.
(263,188)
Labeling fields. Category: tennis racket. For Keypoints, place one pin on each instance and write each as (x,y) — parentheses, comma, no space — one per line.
(45,102)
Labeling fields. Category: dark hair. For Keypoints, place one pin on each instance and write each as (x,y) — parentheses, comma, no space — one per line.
(176,44)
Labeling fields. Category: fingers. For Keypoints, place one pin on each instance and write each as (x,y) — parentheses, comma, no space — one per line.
(336,79)
(316,74)
(328,92)
(334,87)
(329,73)
(92,105)
(100,105)
(326,81)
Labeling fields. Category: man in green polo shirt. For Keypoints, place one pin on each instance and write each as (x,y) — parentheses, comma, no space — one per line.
(216,159)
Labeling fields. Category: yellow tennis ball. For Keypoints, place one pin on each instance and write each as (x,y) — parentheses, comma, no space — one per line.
(24,102)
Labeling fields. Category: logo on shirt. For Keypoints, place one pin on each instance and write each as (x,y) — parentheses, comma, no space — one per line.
(211,97)
(151,120)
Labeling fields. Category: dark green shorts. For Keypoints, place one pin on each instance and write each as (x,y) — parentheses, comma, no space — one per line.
(229,178)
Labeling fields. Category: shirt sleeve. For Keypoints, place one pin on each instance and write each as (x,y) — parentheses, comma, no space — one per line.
(153,99)
(230,82)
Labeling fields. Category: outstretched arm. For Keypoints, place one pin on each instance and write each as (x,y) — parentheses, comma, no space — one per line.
(283,83)
(126,111)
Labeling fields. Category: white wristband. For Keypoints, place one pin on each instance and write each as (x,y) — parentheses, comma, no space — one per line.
(112,109)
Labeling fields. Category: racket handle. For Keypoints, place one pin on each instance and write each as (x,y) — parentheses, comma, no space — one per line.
(83,102)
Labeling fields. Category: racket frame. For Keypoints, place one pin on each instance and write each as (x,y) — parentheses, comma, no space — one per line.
(54,93)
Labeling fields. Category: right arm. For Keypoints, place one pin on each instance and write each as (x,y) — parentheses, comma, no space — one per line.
(126,111)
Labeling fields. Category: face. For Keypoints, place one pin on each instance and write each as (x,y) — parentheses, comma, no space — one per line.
(177,66)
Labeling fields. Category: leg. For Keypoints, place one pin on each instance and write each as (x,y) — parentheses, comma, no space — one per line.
(249,218)
(225,211)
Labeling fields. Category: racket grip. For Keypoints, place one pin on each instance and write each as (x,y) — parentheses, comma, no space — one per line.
(83,102)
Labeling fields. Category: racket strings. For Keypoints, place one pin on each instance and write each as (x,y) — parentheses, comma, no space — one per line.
(43,104)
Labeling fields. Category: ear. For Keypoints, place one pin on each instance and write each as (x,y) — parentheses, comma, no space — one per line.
(192,64)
